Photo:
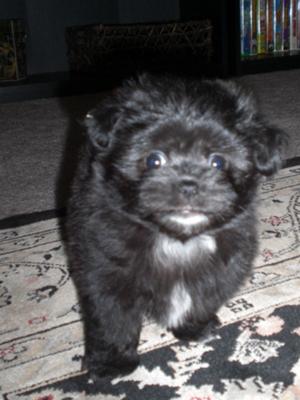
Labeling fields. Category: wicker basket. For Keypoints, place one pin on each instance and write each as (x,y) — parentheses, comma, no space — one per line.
(139,46)
(12,49)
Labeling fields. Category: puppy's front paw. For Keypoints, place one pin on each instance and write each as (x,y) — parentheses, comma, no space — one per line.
(123,365)
(196,330)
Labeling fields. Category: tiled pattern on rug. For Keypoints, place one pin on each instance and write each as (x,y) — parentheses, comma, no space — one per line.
(255,354)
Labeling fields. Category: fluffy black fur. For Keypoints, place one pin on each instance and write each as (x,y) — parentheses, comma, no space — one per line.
(162,218)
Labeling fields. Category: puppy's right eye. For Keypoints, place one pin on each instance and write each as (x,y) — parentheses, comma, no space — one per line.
(217,161)
(156,160)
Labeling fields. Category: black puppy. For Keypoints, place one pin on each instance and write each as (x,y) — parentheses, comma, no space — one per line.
(162,218)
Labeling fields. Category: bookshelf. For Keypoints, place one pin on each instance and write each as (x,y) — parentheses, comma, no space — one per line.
(48,77)
(266,35)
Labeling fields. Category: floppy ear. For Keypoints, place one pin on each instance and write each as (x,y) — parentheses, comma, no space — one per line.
(99,124)
(268,144)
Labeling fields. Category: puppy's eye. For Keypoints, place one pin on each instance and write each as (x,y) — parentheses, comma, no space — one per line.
(217,161)
(156,160)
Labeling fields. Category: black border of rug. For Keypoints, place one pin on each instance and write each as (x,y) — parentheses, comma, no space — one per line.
(291,162)
(24,219)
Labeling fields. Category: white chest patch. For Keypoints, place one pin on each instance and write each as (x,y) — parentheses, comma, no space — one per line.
(168,250)
(180,305)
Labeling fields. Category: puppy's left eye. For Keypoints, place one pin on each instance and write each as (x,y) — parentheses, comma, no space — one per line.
(217,161)
(156,160)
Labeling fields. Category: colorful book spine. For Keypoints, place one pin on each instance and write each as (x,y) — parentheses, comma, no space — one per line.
(242,26)
(270,25)
(255,26)
(262,27)
(293,25)
(279,25)
(298,24)
(286,24)
(247,34)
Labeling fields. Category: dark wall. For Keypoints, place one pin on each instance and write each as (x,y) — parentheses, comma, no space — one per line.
(12,9)
(47,20)
(131,11)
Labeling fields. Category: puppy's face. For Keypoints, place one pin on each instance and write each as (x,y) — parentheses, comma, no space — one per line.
(187,165)
(185,180)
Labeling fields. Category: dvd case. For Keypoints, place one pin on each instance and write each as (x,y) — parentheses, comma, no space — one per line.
(262,27)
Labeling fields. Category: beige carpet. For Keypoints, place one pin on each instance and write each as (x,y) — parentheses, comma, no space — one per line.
(255,355)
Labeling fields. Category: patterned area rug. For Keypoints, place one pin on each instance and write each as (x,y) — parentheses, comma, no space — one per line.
(254,355)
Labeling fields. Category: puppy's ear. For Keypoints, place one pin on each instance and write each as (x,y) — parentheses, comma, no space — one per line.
(100,123)
(269,143)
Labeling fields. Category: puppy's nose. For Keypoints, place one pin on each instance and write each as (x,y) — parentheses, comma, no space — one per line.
(188,188)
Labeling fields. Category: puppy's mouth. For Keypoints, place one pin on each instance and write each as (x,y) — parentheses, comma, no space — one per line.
(184,219)
(187,217)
